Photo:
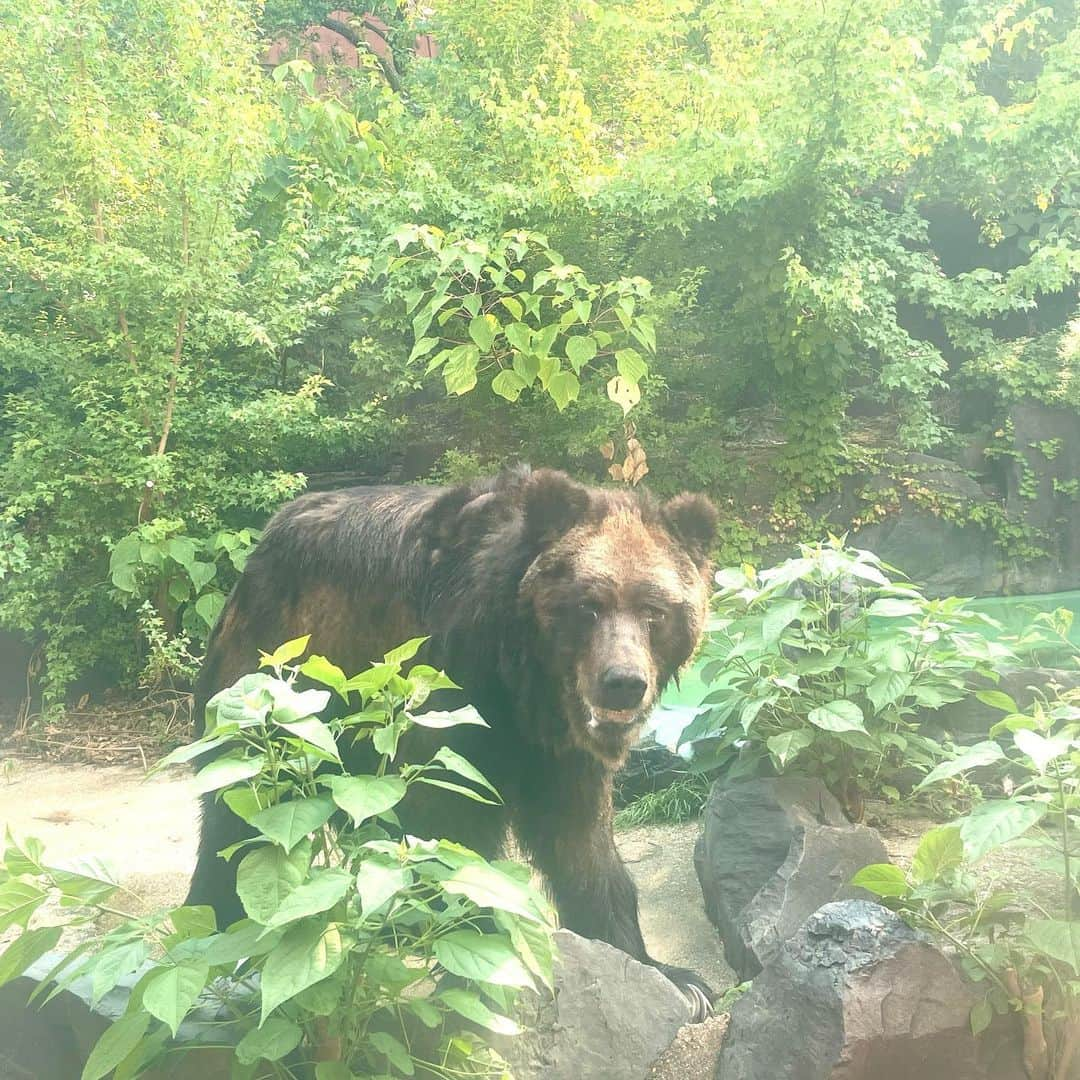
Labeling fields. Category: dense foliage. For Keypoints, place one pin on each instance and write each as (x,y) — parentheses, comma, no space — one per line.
(825,665)
(1018,943)
(221,280)
(338,969)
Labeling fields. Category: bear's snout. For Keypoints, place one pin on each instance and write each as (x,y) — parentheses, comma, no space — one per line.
(621,689)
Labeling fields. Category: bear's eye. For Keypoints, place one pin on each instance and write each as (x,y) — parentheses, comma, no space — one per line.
(654,616)
(588,612)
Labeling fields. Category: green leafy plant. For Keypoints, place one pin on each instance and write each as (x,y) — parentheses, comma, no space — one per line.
(1020,944)
(336,971)
(515,308)
(178,572)
(823,663)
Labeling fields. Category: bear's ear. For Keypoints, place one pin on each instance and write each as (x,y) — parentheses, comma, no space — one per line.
(552,504)
(692,520)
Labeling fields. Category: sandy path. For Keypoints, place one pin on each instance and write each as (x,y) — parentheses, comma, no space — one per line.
(146,830)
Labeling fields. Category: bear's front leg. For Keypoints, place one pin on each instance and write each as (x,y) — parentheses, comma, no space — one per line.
(568,831)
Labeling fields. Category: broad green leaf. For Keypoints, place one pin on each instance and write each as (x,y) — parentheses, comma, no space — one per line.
(481,957)
(316,733)
(482,330)
(439,719)
(519,336)
(543,339)
(405,651)
(113,964)
(325,888)
(459,373)
(195,921)
(115,1044)
(512,306)
(267,875)
(787,745)
(452,760)
(190,751)
(170,994)
(508,384)
(984,753)
(982,1016)
(243,939)
(18,901)
(887,688)
(533,943)
(27,949)
(284,653)
(246,703)
(289,822)
(322,670)
(630,365)
(778,617)
(469,1005)
(1040,749)
(373,680)
(307,954)
(363,797)
(181,549)
(563,387)
(580,350)
(395,1052)
(996,822)
(271,1042)
(940,851)
(378,881)
(487,887)
(423,346)
(997,699)
(838,716)
(1058,939)
(291,705)
(882,879)
(226,771)
(201,574)
(526,367)
(459,789)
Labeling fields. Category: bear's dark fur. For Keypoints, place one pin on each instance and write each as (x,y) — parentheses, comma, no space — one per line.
(561,610)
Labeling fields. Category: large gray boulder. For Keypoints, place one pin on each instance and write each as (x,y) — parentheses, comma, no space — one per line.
(855,995)
(610,1017)
(773,850)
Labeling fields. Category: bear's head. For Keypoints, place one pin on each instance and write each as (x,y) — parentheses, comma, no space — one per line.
(617,594)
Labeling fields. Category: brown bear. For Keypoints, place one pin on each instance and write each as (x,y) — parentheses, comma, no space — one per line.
(562,611)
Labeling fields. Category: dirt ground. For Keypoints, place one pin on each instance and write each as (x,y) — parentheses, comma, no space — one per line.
(146,829)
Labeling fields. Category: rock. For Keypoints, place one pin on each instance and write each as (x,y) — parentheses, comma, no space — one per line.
(945,557)
(53,1043)
(692,1056)
(649,768)
(773,851)
(610,1018)
(1042,490)
(855,995)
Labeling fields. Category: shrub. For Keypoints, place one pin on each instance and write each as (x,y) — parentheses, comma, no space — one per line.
(1022,947)
(823,663)
(337,964)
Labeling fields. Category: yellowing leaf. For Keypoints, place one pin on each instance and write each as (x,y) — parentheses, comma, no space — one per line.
(625,394)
